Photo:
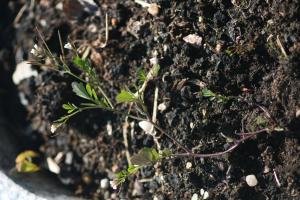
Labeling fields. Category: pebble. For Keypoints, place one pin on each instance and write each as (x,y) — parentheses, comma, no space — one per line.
(251,180)
(162,107)
(109,128)
(204,194)
(153,9)
(69,158)
(193,39)
(194,197)
(104,183)
(188,165)
(298,113)
(23,71)
(146,126)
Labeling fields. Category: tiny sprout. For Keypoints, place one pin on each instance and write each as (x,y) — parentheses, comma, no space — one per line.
(68,46)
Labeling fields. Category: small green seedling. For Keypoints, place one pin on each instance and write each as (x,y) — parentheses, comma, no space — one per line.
(89,89)
(218,97)
(145,157)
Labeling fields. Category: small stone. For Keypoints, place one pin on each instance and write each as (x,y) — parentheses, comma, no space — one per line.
(188,165)
(193,39)
(218,48)
(204,194)
(104,183)
(195,197)
(146,126)
(109,128)
(153,9)
(23,71)
(192,125)
(69,158)
(298,113)
(251,180)
(162,107)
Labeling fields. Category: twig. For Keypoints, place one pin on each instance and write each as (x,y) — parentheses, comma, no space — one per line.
(20,14)
(154,113)
(125,140)
(106,32)
(276,178)
(281,46)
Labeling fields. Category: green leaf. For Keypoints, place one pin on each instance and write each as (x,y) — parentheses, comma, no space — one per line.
(89,89)
(166,153)
(125,96)
(95,95)
(141,76)
(69,107)
(80,90)
(146,156)
(82,64)
(155,69)
(132,169)
(208,93)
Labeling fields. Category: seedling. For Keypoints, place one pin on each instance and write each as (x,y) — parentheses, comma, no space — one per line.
(89,88)
(218,97)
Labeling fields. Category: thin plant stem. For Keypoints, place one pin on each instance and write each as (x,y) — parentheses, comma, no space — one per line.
(217,154)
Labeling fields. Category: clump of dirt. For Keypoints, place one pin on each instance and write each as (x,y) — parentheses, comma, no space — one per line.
(248,49)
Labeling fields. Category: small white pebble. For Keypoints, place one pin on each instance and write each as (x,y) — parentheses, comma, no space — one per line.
(146,126)
(200,19)
(23,71)
(155,198)
(205,195)
(153,9)
(53,166)
(59,6)
(192,125)
(188,165)
(162,107)
(218,48)
(43,22)
(109,128)
(194,197)
(193,39)
(104,183)
(69,158)
(202,191)
(68,46)
(251,180)
(298,113)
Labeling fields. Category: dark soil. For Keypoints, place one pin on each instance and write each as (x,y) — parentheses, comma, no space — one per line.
(250,64)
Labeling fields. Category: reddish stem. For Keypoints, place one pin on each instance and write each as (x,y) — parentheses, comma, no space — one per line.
(234,146)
